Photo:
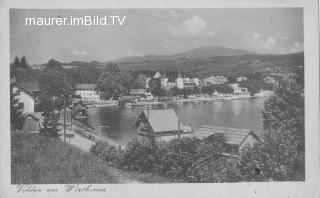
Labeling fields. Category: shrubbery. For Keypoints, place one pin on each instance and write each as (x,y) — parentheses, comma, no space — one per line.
(185,159)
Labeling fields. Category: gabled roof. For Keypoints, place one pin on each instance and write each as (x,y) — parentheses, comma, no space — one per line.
(29,86)
(137,91)
(157,75)
(86,86)
(36,115)
(161,120)
(232,136)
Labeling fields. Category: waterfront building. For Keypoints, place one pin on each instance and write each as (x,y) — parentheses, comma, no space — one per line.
(164,81)
(270,80)
(88,92)
(241,78)
(26,94)
(147,82)
(179,80)
(139,94)
(215,80)
(171,84)
(239,91)
(237,139)
(155,126)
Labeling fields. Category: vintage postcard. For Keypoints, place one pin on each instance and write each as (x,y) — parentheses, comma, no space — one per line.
(179,99)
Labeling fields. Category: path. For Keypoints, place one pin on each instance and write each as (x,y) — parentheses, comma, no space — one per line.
(85,144)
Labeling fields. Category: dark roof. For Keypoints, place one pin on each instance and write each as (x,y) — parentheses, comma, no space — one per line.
(86,86)
(233,136)
(161,120)
(29,86)
(137,91)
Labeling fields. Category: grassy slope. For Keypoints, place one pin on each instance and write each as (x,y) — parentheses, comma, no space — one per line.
(35,159)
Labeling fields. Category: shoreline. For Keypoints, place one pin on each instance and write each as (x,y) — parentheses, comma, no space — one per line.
(210,99)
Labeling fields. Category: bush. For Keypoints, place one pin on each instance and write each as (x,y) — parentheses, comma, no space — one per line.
(107,153)
(185,159)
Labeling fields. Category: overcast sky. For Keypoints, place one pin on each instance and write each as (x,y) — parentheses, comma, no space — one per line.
(156,31)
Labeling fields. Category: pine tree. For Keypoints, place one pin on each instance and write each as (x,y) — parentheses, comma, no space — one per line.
(16,108)
(16,62)
(24,63)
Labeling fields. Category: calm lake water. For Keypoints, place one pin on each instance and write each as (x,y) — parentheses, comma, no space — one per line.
(242,113)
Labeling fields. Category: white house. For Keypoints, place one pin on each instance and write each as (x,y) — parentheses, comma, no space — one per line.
(87,92)
(179,81)
(241,78)
(26,93)
(214,80)
(239,91)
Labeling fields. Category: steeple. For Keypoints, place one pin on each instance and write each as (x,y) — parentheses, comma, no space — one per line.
(179,73)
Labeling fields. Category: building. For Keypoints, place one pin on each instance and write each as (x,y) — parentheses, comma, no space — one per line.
(179,81)
(241,78)
(171,84)
(87,92)
(239,91)
(237,139)
(189,83)
(147,82)
(32,122)
(155,126)
(140,94)
(26,93)
(270,80)
(215,80)
(164,81)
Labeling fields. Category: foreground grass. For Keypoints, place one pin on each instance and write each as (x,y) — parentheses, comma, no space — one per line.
(39,160)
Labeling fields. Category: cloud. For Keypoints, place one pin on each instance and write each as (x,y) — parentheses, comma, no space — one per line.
(173,13)
(194,26)
(266,45)
(79,52)
(296,47)
(132,53)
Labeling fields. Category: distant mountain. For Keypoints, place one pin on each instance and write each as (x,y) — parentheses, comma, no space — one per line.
(222,65)
(201,52)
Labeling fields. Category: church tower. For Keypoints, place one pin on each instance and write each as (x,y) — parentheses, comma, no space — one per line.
(179,80)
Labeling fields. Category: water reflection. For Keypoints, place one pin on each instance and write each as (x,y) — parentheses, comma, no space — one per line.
(244,113)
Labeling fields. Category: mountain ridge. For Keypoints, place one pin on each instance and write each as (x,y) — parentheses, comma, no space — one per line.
(199,52)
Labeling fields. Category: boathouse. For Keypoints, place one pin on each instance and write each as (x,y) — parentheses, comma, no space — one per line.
(154,126)
(237,139)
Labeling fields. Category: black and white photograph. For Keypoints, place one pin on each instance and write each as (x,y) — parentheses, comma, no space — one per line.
(199,95)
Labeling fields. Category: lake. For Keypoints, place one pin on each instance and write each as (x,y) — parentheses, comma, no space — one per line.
(241,113)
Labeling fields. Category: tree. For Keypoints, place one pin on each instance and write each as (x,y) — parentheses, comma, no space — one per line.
(50,124)
(140,82)
(55,86)
(16,108)
(112,84)
(281,154)
(16,62)
(24,63)
(53,64)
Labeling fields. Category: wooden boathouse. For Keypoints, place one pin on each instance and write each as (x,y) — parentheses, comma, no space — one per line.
(155,126)
(236,138)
